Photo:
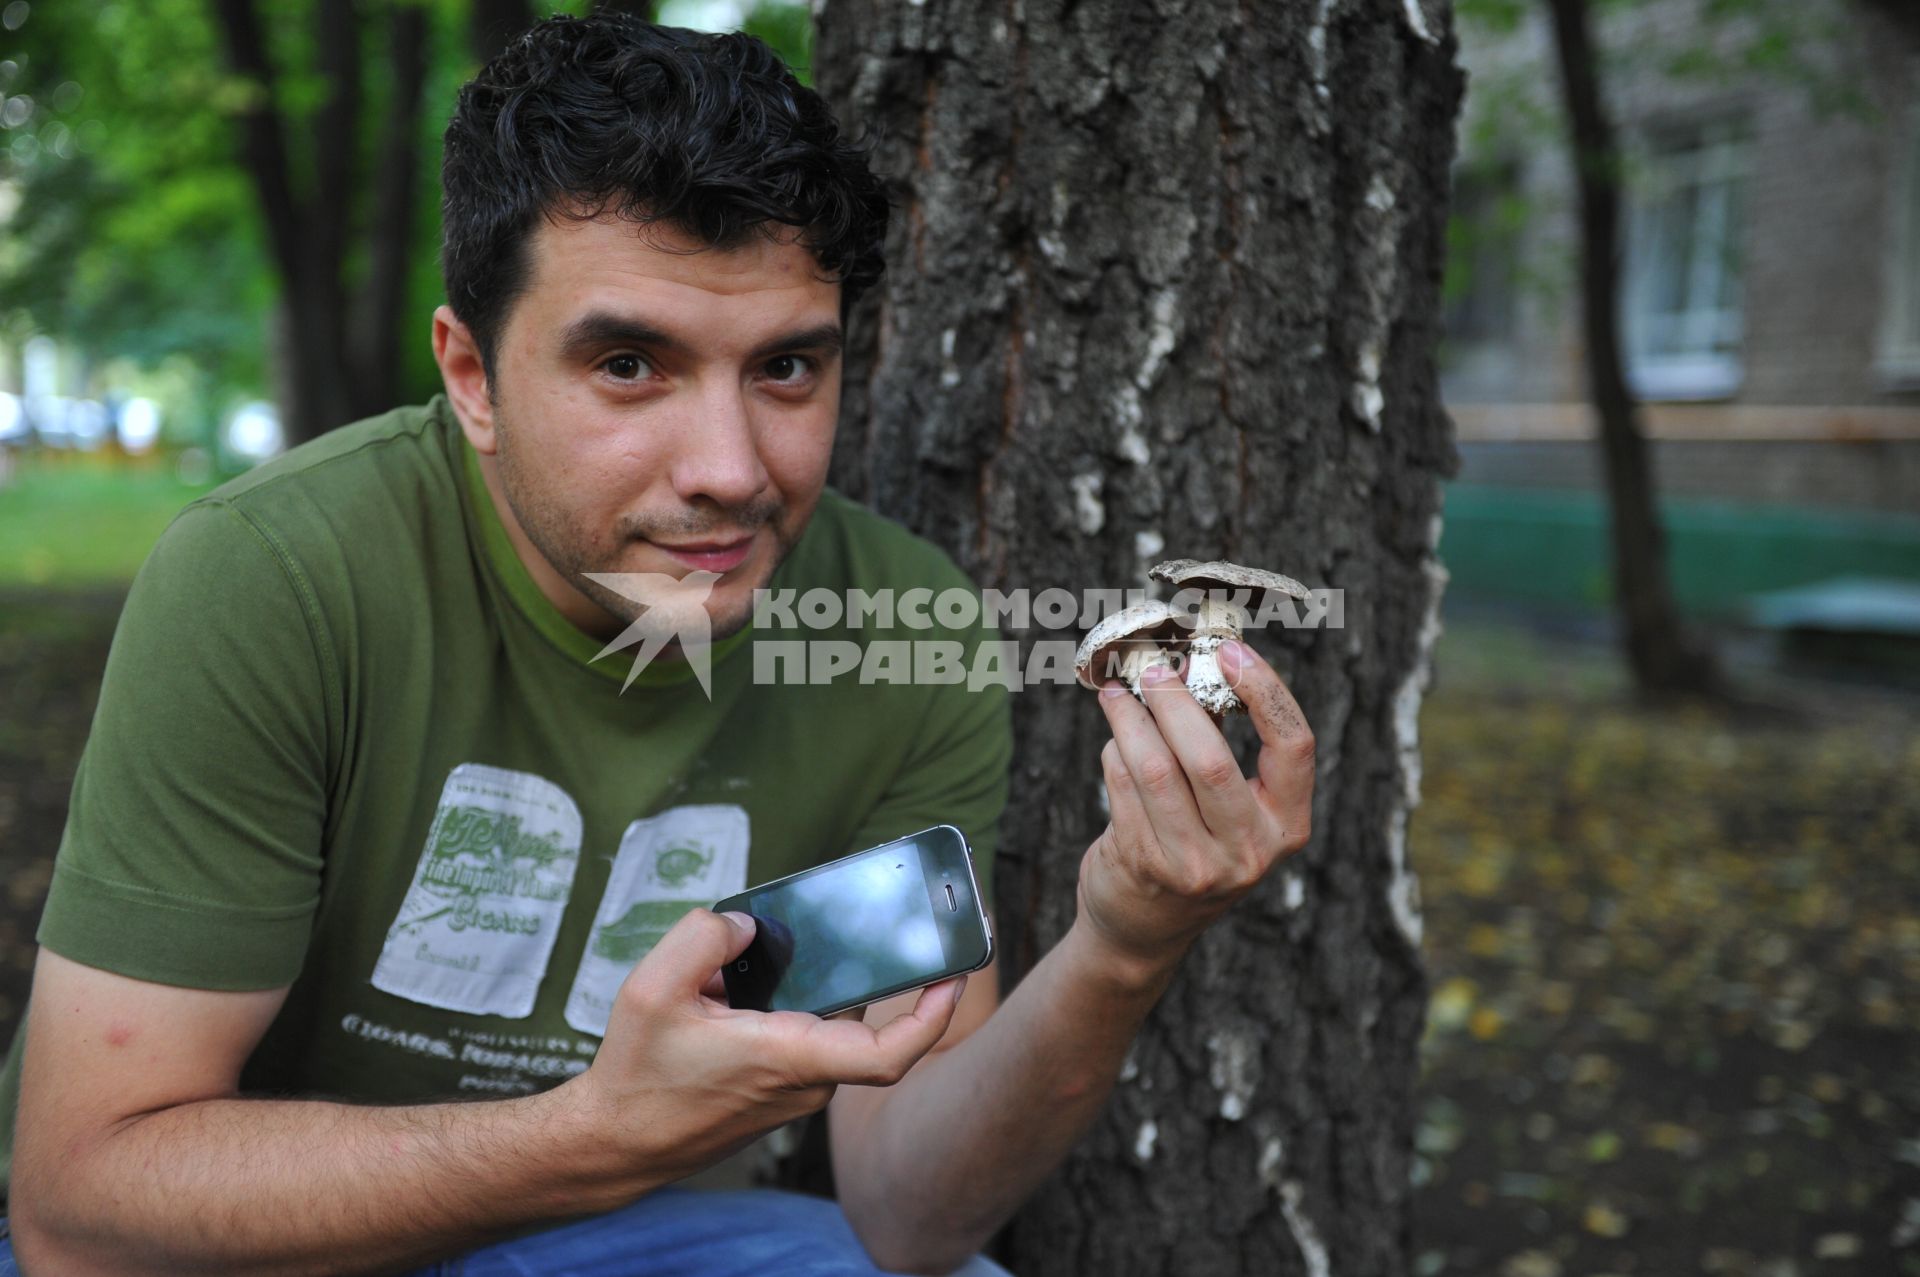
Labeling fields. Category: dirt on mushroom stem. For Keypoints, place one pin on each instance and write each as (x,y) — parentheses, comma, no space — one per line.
(1215,620)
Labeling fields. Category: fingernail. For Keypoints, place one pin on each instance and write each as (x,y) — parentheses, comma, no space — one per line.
(1234,657)
(1112,688)
(743,921)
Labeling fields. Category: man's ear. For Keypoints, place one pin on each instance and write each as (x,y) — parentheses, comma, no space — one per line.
(458,355)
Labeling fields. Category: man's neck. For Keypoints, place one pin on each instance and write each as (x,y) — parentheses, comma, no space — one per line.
(580,611)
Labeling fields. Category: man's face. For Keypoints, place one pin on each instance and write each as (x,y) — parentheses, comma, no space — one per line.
(663,407)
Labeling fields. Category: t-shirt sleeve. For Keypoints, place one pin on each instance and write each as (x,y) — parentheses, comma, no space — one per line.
(192,852)
(955,771)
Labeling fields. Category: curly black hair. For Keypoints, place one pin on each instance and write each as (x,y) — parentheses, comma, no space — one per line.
(707,133)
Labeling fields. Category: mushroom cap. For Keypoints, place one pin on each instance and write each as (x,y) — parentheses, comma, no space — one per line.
(1149,620)
(1195,574)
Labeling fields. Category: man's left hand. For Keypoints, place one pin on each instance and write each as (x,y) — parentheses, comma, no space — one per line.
(1189,835)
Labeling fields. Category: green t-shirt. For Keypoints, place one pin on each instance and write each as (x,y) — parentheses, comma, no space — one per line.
(344,743)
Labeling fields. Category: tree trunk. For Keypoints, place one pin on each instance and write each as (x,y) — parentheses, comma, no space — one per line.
(342,350)
(374,342)
(1663,659)
(327,212)
(315,370)
(1168,285)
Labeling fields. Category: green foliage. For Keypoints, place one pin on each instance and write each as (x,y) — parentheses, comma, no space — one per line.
(788,27)
(136,233)
(1498,17)
(1774,41)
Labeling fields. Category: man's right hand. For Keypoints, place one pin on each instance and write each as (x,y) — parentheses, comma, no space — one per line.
(682,1079)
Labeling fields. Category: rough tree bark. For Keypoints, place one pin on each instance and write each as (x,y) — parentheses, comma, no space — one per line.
(1664,660)
(338,337)
(1165,282)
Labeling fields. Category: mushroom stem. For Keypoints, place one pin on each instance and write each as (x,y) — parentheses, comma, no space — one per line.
(1208,682)
(1138,660)
(1214,622)
(1217,618)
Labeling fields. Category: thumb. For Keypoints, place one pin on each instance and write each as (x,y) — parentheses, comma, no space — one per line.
(694,948)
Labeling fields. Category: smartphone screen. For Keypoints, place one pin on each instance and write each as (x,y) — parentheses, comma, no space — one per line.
(859,928)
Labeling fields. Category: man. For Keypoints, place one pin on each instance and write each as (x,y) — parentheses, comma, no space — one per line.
(364,830)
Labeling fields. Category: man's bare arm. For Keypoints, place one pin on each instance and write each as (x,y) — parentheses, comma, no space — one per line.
(133,1153)
(930,1169)
(295,1186)
(976,1126)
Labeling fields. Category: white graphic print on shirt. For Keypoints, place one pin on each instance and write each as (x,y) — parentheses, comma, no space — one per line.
(681,859)
(478,924)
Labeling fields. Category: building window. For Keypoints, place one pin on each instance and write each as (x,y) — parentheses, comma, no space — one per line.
(1483,236)
(1899,362)
(1683,288)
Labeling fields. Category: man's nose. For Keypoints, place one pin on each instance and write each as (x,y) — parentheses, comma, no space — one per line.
(719,453)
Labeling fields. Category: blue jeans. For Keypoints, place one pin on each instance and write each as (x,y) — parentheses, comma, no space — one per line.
(677,1232)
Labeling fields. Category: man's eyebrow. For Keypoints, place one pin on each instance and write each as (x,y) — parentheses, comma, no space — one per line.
(603,328)
(825,338)
(599,328)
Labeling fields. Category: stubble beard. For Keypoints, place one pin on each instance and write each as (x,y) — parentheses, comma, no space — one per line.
(570,555)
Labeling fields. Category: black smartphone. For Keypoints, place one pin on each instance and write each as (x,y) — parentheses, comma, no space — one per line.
(863,927)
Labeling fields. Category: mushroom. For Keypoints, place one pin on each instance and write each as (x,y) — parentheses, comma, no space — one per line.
(1140,636)
(1215,619)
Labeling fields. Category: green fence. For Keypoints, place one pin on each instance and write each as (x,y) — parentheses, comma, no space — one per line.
(1540,546)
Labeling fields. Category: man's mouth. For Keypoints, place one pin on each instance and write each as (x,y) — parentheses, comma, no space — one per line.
(711,556)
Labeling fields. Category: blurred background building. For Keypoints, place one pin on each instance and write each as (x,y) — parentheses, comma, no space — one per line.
(1770,302)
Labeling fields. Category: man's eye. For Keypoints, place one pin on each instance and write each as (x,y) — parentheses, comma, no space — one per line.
(626,367)
(789,368)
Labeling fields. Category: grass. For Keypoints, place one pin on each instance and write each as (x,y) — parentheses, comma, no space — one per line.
(83,520)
